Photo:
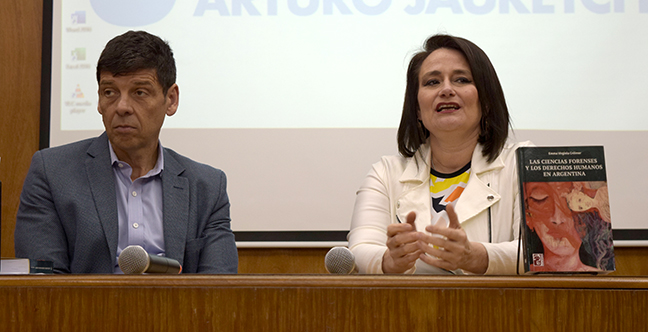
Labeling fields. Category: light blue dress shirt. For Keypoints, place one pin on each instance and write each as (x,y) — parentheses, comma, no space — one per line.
(139,206)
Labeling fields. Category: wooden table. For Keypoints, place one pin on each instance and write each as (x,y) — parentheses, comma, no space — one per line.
(322,303)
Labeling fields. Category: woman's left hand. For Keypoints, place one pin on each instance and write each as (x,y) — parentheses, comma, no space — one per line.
(453,249)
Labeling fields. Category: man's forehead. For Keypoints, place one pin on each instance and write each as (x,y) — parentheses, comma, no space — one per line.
(140,76)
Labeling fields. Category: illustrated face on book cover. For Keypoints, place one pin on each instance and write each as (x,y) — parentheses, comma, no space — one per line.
(552,209)
(550,217)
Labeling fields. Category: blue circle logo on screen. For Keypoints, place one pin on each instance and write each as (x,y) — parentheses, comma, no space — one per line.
(132,13)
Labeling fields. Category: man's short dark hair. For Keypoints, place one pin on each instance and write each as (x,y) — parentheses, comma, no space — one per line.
(135,50)
(495,119)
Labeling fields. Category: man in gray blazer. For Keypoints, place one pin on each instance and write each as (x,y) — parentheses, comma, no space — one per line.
(84,202)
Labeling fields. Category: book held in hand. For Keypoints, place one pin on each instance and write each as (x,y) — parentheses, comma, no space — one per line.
(565,221)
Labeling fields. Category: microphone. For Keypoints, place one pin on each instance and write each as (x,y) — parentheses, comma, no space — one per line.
(135,260)
(340,260)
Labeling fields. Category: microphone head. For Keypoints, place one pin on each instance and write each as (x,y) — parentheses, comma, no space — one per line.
(339,260)
(133,260)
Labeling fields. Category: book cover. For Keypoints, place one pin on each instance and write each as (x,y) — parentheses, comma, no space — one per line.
(25,266)
(565,221)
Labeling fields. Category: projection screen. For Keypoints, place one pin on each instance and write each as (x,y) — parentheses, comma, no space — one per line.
(295,99)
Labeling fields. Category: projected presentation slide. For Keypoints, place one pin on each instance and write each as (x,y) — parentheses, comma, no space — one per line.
(341,63)
(296,99)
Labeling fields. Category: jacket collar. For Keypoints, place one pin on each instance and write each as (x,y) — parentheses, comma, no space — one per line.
(418,167)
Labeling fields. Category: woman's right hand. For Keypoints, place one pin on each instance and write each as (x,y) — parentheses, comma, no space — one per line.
(402,250)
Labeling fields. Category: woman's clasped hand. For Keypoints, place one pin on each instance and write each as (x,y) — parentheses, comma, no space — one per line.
(447,248)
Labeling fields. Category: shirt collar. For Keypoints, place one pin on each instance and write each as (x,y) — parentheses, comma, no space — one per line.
(159,164)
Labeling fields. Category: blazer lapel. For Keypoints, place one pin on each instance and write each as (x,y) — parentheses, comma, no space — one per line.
(479,195)
(415,193)
(175,190)
(102,186)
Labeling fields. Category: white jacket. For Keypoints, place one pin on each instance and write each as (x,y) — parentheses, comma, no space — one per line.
(396,185)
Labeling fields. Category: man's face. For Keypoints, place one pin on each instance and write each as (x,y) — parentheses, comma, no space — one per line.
(133,107)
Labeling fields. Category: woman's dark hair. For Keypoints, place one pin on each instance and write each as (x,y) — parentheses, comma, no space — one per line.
(494,123)
(135,50)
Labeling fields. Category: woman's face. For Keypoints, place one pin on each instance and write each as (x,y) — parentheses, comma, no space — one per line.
(447,96)
(550,217)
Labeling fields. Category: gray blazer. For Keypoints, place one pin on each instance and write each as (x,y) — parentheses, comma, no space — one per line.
(68,211)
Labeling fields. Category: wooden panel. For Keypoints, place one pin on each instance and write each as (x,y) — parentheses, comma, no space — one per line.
(272,260)
(20,56)
(20,51)
(630,261)
(322,303)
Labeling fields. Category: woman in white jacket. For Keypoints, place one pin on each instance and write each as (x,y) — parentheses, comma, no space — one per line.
(450,202)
